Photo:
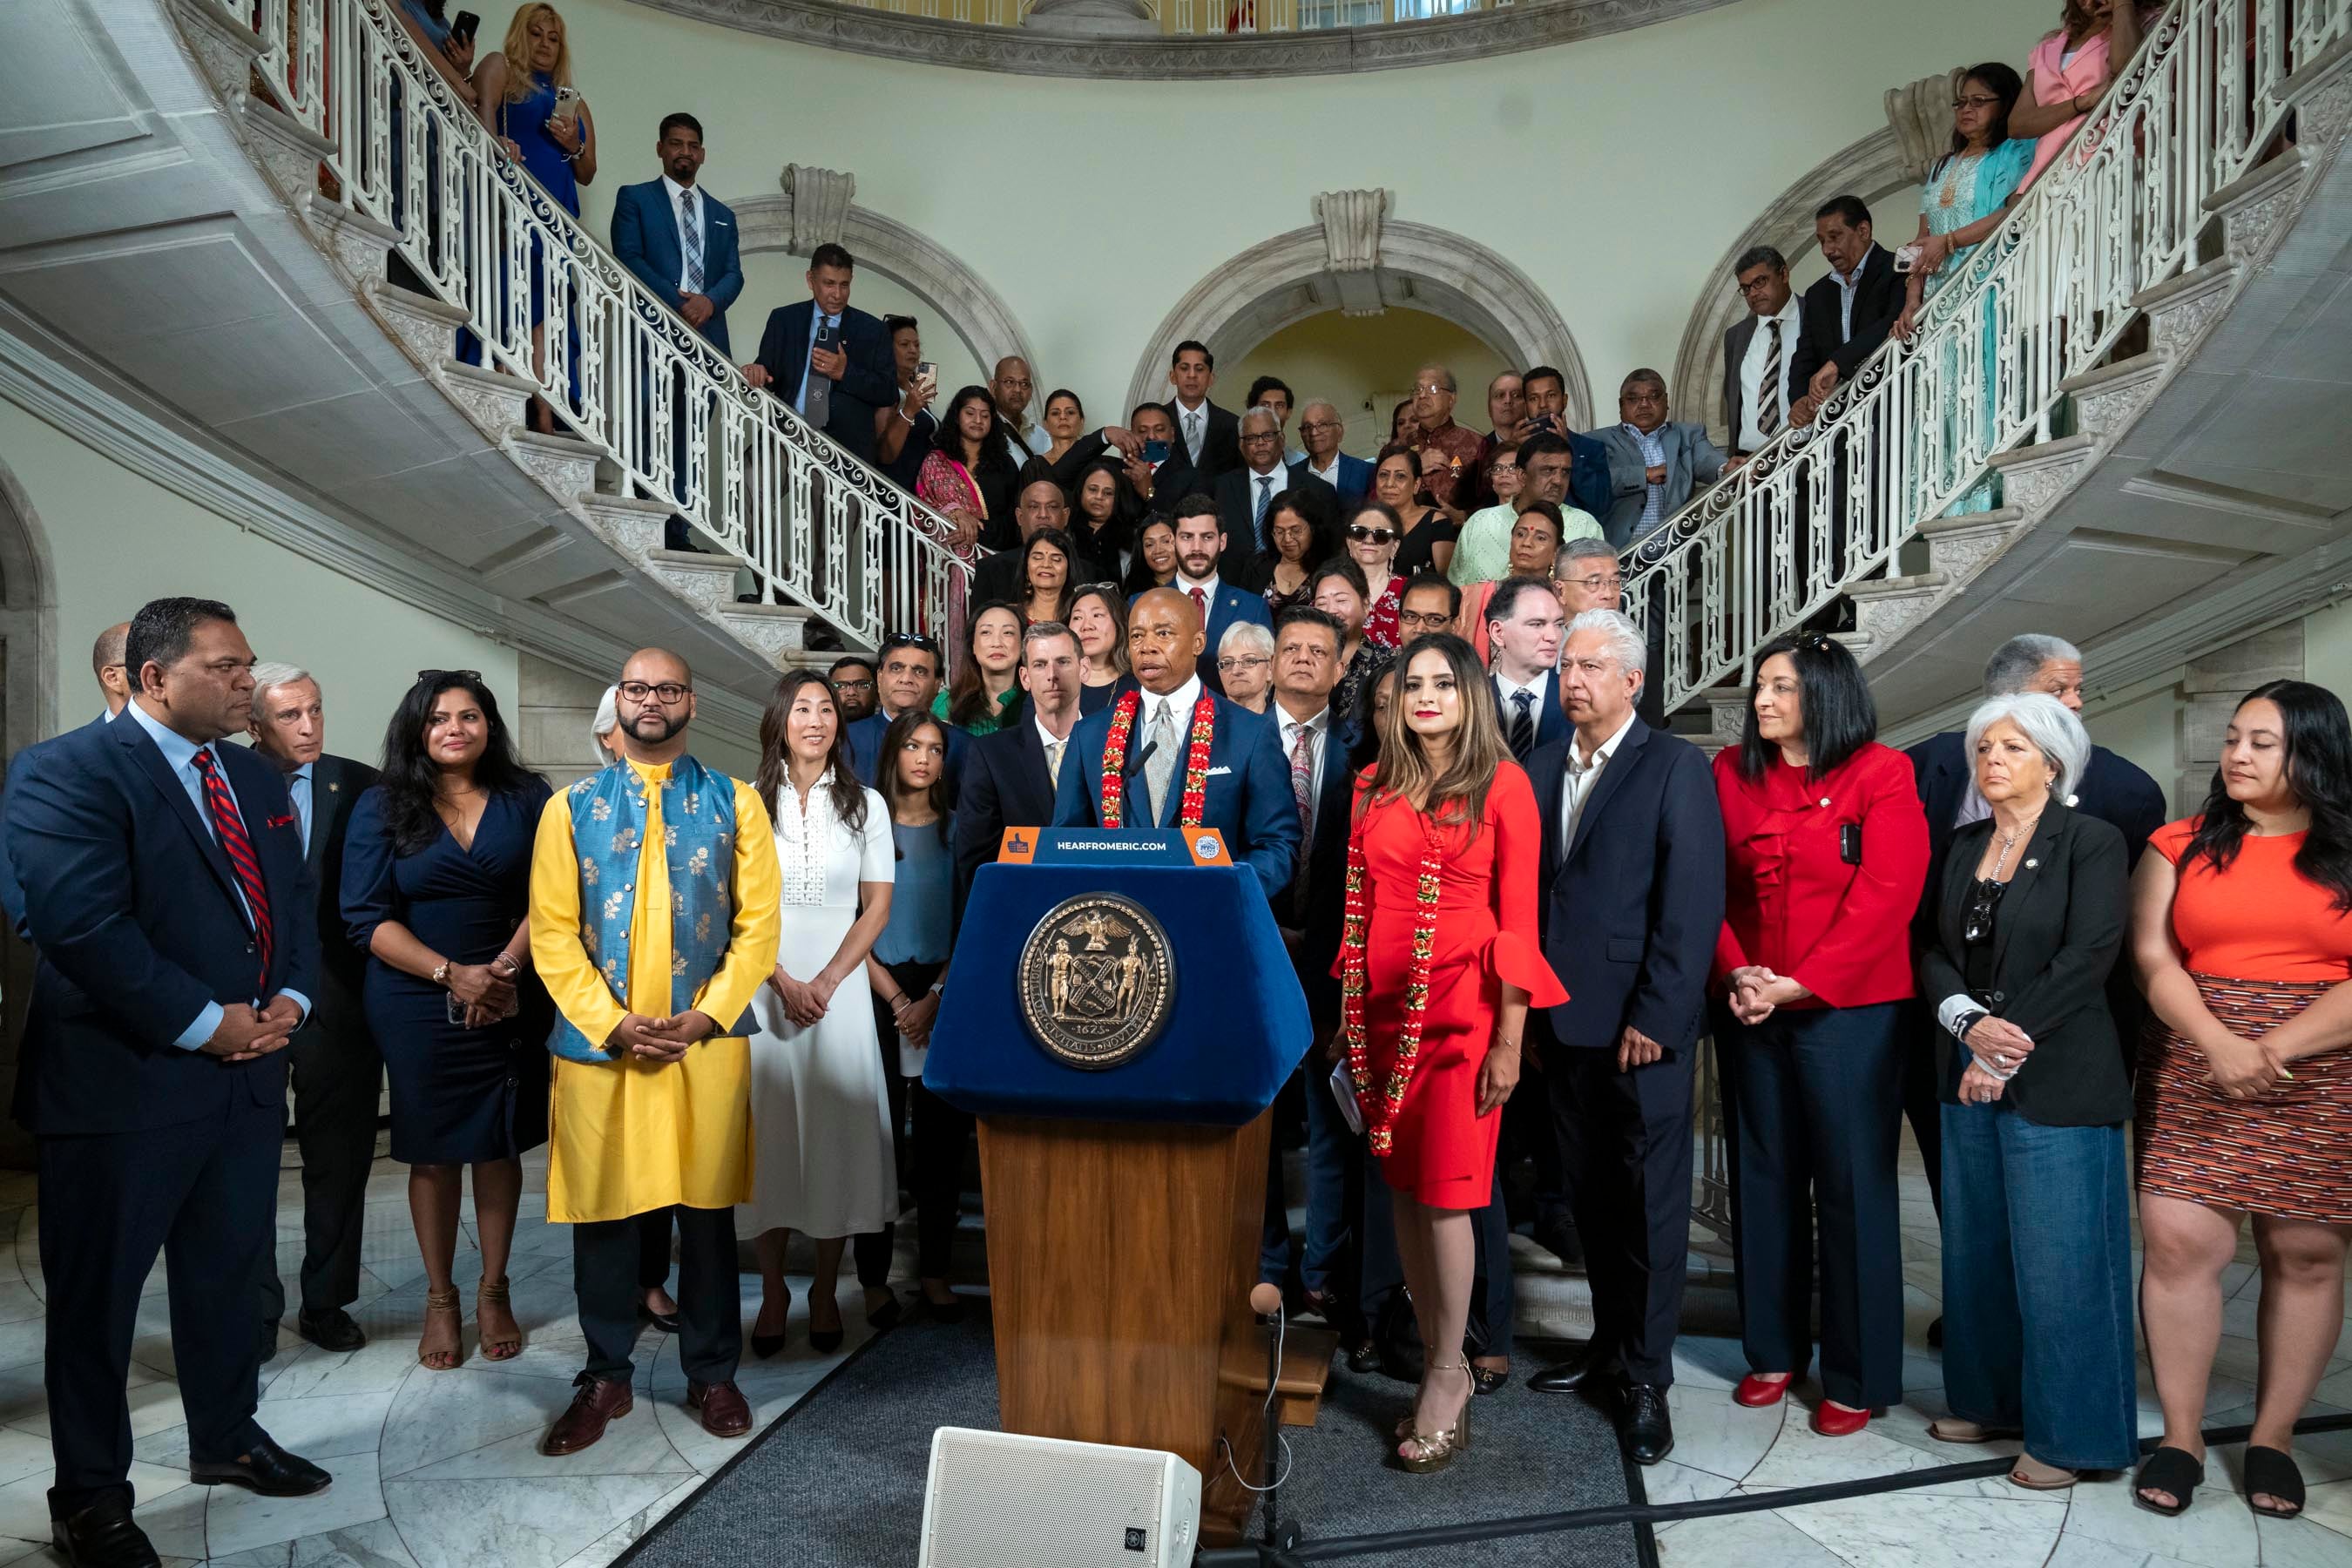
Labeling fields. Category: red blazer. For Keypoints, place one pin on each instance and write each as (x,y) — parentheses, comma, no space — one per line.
(1794,904)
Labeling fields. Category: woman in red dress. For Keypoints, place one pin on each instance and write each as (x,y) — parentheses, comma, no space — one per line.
(1438,965)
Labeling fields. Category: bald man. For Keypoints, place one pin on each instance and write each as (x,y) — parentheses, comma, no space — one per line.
(106,663)
(654,906)
(1246,782)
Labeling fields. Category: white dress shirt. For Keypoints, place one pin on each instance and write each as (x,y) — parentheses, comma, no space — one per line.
(1181,703)
(1329,476)
(1847,286)
(1047,740)
(1318,729)
(1209,587)
(1576,786)
(1748,437)
(698,231)
(1505,687)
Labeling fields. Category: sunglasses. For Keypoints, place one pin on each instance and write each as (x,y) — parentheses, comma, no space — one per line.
(1362,535)
(911,639)
(425,675)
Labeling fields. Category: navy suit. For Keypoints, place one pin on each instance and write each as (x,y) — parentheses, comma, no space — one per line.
(1005,785)
(866,748)
(1629,912)
(2115,790)
(644,240)
(869,384)
(1220,442)
(1352,481)
(1247,794)
(142,1144)
(1552,720)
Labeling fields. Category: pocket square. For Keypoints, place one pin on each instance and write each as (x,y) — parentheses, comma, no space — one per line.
(286,821)
(1216,773)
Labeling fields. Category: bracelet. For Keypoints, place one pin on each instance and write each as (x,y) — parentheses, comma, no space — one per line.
(899,1004)
(1508,1045)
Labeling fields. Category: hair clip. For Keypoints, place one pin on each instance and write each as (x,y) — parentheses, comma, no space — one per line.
(1816,642)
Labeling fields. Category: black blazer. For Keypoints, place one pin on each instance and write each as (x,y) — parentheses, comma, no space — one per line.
(1821,334)
(1005,785)
(2114,790)
(1736,339)
(1629,913)
(135,912)
(870,382)
(336,784)
(1221,441)
(1319,924)
(1236,494)
(2055,938)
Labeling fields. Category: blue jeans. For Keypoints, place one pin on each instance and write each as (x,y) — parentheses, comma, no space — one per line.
(2037,1285)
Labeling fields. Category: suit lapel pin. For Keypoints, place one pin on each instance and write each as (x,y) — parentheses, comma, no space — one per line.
(1825,801)
(2029,865)
(333,786)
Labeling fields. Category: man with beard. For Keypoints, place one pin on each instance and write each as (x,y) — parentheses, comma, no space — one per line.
(852,679)
(653,901)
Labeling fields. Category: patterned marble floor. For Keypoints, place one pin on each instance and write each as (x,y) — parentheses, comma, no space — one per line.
(442,1469)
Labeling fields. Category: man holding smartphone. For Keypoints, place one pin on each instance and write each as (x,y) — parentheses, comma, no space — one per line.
(831,363)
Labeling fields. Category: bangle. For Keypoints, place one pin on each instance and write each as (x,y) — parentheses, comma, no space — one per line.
(899,1003)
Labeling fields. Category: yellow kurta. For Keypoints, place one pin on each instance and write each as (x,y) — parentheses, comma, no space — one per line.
(634,1135)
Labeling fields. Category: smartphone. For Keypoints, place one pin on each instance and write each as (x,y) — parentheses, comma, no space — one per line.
(1544,422)
(1155,451)
(465,26)
(1907,259)
(825,334)
(928,374)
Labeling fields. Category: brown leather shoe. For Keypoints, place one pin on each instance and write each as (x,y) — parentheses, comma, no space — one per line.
(724,1412)
(598,1402)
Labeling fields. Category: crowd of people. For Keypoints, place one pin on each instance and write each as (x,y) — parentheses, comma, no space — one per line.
(1515,910)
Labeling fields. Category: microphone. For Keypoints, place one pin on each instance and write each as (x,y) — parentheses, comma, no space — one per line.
(1135,767)
(1265,1300)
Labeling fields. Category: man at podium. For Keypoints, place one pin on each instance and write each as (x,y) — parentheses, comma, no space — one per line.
(1176,754)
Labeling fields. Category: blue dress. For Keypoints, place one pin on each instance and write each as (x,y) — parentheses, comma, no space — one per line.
(458,1095)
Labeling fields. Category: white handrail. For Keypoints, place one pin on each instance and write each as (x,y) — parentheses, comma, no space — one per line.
(2120,209)
(620,365)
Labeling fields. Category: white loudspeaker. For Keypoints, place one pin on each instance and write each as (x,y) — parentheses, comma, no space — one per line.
(998,1500)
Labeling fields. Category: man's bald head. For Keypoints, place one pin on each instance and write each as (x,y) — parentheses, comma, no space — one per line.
(655,703)
(1163,639)
(106,663)
(1009,388)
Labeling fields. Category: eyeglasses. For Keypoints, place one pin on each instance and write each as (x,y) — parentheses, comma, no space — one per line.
(1362,535)
(425,675)
(670,692)
(1594,584)
(1096,588)
(1494,469)
(1319,425)
(846,686)
(1255,437)
(1978,101)
(1426,620)
(1239,661)
(1759,285)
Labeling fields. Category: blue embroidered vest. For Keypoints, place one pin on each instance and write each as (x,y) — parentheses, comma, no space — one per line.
(608,827)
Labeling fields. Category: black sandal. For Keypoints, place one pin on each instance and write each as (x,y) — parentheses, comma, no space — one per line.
(2168,1470)
(2274,1473)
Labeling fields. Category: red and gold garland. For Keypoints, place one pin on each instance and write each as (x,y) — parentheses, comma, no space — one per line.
(1380,1119)
(1194,801)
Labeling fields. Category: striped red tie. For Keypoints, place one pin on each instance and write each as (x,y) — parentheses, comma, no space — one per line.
(229,827)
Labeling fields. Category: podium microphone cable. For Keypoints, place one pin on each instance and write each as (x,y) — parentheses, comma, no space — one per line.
(1646,1516)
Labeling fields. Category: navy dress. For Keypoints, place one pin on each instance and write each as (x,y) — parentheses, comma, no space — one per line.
(458,1095)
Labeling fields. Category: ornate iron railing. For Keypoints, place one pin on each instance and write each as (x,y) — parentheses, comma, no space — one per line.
(2043,298)
(620,366)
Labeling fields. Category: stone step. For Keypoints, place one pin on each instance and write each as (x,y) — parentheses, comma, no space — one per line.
(2109,396)
(493,399)
(2253,208)
(634,527)
(289,151)
(2033,478)
(563,465)
(358,241)
(774,629)
(426,327)
(1960,546)
(706,582)
(1886,607)
(2180,310)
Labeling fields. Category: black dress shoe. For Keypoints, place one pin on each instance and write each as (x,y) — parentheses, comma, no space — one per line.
(1557,1236)
(266,1468)
(1646,1424)
(1581,1370)
(102,1536)
(1936,1335)
(265,1345)
(332,1329)
(665,1321)
(1363,1356)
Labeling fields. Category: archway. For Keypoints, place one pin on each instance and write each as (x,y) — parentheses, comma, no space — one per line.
(1291,277)
(28,713)
(1874,167)
(976,314)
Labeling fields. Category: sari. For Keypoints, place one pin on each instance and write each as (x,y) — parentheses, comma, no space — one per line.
(1963,188)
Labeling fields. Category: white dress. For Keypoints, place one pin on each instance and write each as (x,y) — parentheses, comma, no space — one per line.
(822,1162)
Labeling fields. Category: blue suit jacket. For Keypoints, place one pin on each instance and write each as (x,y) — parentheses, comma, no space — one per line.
(1246,795)
(1352,479)
(869,384)
(1630,911)
(644,238)
(133,908)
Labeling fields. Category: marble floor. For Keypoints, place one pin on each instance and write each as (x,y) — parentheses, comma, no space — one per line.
(442,1469)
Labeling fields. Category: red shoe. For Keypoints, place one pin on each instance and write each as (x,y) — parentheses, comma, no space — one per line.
(1757,1390)
(1831,1419)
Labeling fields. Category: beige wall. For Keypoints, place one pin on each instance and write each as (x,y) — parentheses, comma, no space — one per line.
(1358,362)
(1093,206)
(115,539)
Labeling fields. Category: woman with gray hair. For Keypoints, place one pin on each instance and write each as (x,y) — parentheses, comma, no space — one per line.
(1246,665)
(2014,952)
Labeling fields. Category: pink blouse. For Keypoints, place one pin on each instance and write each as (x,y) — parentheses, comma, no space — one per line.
(2051,82)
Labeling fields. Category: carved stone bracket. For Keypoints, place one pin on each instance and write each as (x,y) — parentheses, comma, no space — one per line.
(1092,19)
(1920,115)
(820,213)
(1351,247)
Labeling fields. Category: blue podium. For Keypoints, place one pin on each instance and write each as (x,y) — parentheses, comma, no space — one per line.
(1123,1165)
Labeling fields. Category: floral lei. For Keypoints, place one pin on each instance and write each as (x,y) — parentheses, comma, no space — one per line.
(1380,1117)
(1196,761)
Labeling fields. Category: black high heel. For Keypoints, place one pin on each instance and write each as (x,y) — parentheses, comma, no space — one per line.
(766,1346)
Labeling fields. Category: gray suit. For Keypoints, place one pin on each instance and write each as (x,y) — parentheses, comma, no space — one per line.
(1690,457)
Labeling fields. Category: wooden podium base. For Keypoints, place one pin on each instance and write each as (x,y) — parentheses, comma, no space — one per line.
(1120,1258)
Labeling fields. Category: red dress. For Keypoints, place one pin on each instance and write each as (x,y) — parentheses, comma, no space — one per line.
(1445,1151)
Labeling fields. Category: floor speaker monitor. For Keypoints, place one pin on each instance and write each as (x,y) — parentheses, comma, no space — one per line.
(997,1500)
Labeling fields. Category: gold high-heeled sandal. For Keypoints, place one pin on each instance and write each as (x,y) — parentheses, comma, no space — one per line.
(1435,1450)
(495,1293)
(444,1302)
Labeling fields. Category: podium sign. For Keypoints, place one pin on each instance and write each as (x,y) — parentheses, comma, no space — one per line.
(1119,1014)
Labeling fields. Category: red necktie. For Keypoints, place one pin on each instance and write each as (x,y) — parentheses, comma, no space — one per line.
(1201,602)
(229,827)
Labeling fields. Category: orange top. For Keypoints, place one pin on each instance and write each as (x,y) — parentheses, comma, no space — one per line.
(2259,919)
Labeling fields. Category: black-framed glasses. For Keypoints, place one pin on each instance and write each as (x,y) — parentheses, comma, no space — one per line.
(848,686)
(1432,620)
(1364,535)
(670,692)
(1977,101)
(425,675)
(1255,437)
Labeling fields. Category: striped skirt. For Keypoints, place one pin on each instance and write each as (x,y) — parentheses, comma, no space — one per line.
(2286,1153)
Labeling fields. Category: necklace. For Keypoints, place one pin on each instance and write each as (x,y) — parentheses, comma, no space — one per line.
(2008,842)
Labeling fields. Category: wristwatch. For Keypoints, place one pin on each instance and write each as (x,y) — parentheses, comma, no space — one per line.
(441,974)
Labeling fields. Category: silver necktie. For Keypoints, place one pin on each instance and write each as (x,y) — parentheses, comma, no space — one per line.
(1161,766)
